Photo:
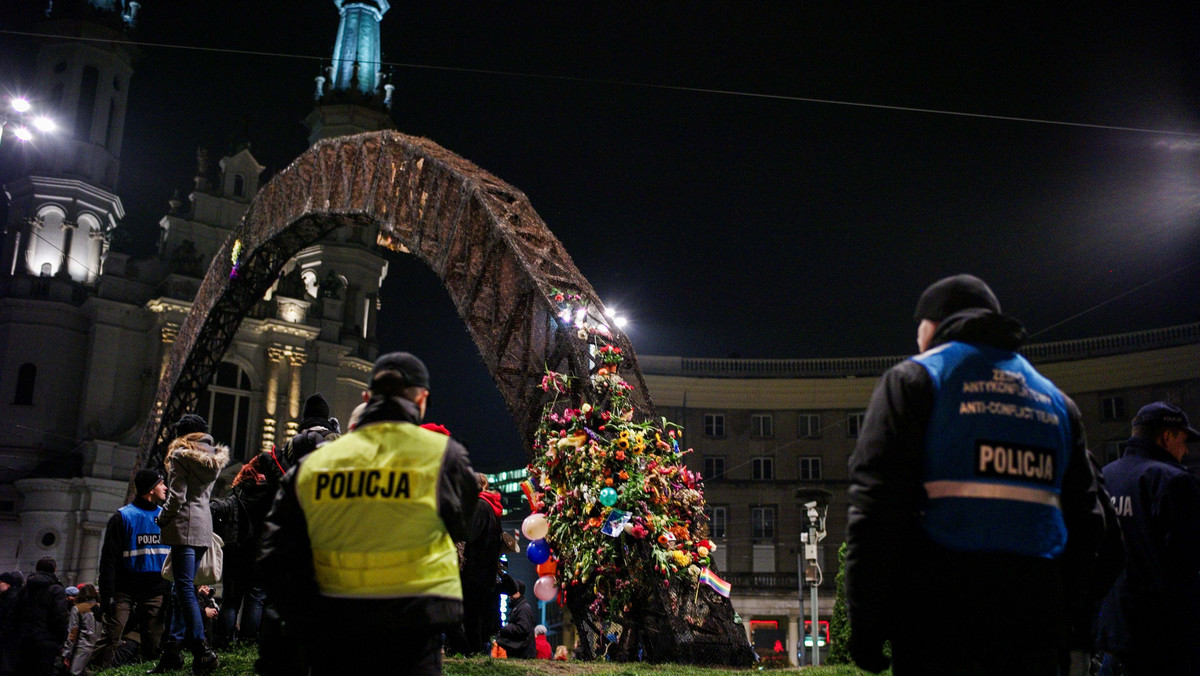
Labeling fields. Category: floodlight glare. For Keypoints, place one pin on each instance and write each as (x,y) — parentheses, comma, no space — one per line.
(22,133)
(620,322)
(21,105)
(44,124)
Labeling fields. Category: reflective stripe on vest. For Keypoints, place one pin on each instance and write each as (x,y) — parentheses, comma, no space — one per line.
(144,551)
(370,502)
(996,448)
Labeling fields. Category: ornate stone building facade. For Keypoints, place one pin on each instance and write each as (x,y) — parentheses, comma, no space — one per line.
(85,332)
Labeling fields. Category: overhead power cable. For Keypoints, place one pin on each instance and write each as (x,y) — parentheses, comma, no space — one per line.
(644,85)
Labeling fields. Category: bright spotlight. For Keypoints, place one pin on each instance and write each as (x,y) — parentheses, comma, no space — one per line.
(44,124)
(22,133)
(620,322)
(21,105)
(611,312)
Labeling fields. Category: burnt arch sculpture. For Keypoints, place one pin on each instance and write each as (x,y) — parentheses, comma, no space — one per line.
(498,261)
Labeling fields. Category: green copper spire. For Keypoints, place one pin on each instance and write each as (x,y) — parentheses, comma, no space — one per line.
(356,55)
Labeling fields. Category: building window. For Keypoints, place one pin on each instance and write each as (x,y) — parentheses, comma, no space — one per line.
(854,423)
(810,468)
(85,112)
(714,424)
(239,185)
(226,406)
(763,522)
(808,426)
(762,469)
(1112,408)
(26,375)
(717,516)
(714,468)
(762,425)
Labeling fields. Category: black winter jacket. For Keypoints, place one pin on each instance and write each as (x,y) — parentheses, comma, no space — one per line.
(994,611)
(286,565)
(42,610)
(516,637)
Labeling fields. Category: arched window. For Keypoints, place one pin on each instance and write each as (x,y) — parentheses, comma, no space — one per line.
(226,406)
(86,110)
(239,185)
(26,375)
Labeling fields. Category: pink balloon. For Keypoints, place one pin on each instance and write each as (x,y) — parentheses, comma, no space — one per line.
(546,588)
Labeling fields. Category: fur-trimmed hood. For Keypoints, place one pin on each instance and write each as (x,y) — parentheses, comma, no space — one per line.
(198,448)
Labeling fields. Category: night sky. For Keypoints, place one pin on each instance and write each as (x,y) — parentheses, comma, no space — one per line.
(683,155)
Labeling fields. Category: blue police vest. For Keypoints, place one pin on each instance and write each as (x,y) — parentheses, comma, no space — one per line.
(144,551)
(995,452)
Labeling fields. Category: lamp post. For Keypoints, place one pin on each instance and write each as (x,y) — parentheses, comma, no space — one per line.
(24,120)
(816,506)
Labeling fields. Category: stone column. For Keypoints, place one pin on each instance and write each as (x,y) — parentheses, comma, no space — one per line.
(296,360)
(275,356)
(29,243)
(68,239)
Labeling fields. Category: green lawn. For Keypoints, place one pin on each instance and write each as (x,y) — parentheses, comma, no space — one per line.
(242,662)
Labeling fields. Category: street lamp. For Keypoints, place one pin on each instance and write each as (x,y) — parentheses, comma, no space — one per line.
(20,113)
(816,506)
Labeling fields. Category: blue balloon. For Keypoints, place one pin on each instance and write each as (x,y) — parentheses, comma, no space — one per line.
(538,552)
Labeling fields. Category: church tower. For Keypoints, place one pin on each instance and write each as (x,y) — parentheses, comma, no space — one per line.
(64,209)
(351,95)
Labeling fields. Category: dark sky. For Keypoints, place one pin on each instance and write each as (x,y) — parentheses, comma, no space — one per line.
(729,224)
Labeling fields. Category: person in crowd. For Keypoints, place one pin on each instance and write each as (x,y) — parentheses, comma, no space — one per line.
(561,654)
(10,635)
(131,562)
(972,503)
(1151,617)
(516,637)
(40,617)
(253,493)
(480,564)
(541,643)
(72,592)
(352,520)
(193,462)
(82,630)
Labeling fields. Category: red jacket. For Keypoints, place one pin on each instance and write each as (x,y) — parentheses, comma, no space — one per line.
(543,647)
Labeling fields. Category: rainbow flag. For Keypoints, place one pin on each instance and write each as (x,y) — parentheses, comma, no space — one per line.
(710,578)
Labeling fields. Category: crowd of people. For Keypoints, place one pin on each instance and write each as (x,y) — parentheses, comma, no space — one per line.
(305,575)
(983,536)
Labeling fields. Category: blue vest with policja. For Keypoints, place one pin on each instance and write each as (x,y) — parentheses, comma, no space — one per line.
(144,551)
(996,449)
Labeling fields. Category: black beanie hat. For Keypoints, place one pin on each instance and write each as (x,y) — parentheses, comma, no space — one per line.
(14,578)
(315,407)
(189,423)
(402,369)
(145,480)
(955,294)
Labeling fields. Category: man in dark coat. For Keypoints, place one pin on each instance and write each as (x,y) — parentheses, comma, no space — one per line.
(516,637)
(131,561)
(480,566)
(10,635)
(974,520)
(42,614)
(1151,618)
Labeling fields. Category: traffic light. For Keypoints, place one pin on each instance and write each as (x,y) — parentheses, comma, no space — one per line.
(823,633)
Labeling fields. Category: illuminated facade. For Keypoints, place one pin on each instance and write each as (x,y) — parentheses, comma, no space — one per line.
(85,332)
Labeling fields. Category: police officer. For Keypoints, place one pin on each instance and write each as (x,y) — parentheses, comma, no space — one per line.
(358,550)
(1151,618)
(131,561)
(974,516)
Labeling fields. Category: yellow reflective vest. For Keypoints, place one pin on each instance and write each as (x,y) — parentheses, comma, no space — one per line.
(370,500)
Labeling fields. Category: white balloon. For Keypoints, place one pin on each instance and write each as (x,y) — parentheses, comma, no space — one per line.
(535,526)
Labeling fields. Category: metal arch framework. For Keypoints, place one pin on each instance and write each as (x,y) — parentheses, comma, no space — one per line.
(498,261)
